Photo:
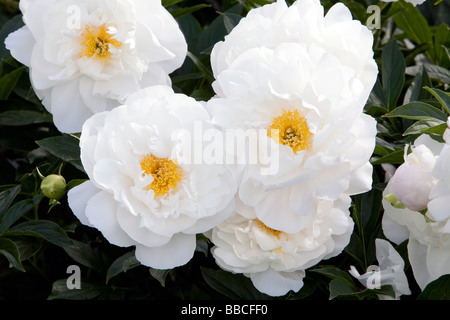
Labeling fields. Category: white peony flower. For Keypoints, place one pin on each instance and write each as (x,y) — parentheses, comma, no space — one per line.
(427,232)
(308,76)
(87,56)
(276,261)
(412,181)
(438,207)
(390,271)
(138,193)
(440,194)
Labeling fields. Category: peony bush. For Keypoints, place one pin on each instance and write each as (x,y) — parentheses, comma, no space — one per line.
(269,150)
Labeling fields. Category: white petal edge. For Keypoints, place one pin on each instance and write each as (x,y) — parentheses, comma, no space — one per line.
(78,198)
(177,252)
(101,211)
(277,284)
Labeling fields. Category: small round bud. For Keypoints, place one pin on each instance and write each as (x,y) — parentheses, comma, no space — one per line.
(53,186)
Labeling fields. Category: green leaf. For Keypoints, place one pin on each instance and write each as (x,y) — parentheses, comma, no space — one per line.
(231,20)
(9,81)
(122,264)
(18,210)
(159,275)
(10,250)
(434,72)
(413,23)
(6,198)
(426,126)
(310,286)
(377,97)
(87,291)
(368,206)
(233,286)
(393,73)
(176,13)
(74,183)
(339,287)
(23,118)
(417,111)
(202,68)
(386,290)
(66,148)
(355,248)
(85,254)
(202,245)
(441,41)
(213,33)
(168,3)
(437,130)
(438,289)
(395,157)
(415,91)
(442,96)
(44,229)
(334,272)
(27,248)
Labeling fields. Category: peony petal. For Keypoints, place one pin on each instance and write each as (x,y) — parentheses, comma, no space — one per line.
(438,261)
(78,198)
(101,211)
(361,180)
(337,13)
(109,174)
(177,252)
(154,76)
(70,114)
(276,283)
(166,30)
(417,254)
(439,208)
(131,224)
(21,43)
(275,211)
(95,103)
(395,232)
(41,69)
(208,223)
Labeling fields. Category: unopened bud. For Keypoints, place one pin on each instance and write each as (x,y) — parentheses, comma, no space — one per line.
(413,180)
(53,186)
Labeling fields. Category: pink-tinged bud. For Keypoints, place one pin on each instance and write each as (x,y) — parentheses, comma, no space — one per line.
(413,180)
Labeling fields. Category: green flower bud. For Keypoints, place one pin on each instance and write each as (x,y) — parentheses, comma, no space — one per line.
(394,201)
(53,186)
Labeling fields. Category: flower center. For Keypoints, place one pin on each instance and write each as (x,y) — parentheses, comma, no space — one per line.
(267,230)
(291,129)
(166,174)
(96,42)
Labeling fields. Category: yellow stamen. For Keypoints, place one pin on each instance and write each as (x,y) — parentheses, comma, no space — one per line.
(166,174)
(96,42)
(291,129)
(266,229)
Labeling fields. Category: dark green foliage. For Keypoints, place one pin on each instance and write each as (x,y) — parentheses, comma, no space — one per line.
(39,239)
